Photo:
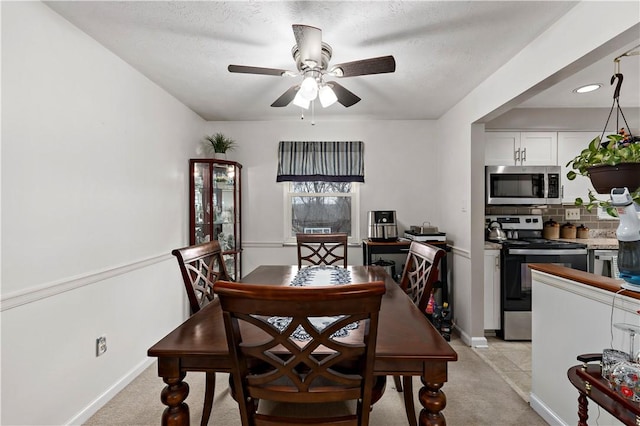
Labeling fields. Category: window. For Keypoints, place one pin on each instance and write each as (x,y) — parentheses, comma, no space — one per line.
(321,187)
(321,207)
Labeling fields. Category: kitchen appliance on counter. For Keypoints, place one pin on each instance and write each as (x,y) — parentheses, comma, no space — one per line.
(425,228)
(523,185)
(424,233)
(382,225)
(426,236)
(515,276)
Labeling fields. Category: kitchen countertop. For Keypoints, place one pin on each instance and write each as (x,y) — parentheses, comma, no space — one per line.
(592,243)
(490,245)
(595,243)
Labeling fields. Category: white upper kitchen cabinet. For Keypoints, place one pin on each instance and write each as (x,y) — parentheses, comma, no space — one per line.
(521,148)
(571,144)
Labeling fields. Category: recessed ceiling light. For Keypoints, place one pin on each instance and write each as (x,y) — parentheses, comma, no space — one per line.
(588,88)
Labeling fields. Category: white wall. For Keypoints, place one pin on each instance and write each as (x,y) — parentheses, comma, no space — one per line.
(94,193)
(556,53)
(401,173)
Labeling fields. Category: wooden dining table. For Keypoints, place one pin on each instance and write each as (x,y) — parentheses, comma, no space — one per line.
(407,345)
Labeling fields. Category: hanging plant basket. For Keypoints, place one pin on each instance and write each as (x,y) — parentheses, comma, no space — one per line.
(604,177)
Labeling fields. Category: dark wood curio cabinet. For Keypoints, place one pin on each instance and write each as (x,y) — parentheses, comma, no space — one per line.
(214,208)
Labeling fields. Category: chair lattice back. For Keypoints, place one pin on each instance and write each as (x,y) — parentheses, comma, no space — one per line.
(201,266)
(322,249)
(322,366)
(421,272)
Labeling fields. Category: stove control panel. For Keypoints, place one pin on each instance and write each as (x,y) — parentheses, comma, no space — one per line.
(531,222)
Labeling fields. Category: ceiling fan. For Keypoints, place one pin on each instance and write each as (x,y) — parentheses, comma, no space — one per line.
(312,58)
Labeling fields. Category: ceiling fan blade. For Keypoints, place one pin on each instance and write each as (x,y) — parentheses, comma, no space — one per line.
(380,65)
(256,70)
(286,98)
(345,96)
(309,41)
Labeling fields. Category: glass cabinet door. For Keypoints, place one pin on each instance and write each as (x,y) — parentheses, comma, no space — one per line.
(215,208)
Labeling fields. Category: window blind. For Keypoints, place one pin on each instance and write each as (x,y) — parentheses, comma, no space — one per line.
(341,161)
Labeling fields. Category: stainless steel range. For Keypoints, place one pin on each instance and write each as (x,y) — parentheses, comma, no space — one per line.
(525,245)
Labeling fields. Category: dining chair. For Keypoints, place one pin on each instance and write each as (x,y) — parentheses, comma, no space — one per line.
(420,274)
(315,347)
(201,266)
(322,249)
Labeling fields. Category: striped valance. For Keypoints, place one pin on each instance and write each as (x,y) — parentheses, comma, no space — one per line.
(320,161)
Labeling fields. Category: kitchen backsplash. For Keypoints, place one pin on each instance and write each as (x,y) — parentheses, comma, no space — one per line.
(598,228)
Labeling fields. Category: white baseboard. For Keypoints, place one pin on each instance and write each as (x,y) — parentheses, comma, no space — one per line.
(101,401)
(543,411)
(474,342)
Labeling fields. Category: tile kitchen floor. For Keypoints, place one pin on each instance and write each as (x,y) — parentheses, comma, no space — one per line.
(512,360)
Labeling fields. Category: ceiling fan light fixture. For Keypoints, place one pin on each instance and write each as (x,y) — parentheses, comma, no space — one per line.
(301,101)
(309,88)
(327,96)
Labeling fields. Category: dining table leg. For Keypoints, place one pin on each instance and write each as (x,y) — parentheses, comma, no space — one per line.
(431,397)
(174,394)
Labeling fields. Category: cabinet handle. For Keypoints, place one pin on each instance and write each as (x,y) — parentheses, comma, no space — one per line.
(497,259)
(524,154)
(516,155)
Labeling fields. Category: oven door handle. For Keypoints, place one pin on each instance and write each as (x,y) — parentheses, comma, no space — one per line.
(548,252)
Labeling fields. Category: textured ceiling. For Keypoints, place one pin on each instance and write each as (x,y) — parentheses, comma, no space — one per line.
(442,49)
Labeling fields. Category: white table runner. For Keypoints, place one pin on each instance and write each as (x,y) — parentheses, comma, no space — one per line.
(317,275)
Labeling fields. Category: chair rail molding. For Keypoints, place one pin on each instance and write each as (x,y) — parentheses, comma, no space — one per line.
(263,244)
(39,292)
(460,252)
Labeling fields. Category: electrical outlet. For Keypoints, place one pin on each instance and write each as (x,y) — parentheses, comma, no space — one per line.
(572,214)
(101,345)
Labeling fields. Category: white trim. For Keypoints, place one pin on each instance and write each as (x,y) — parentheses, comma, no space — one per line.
(43,291)
(460,252)
(262,244)
(474,342)
(95,405)
(464,336)
(545,412)
(479,342)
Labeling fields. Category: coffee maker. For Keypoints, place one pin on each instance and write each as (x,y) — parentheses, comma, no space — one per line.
(382,225)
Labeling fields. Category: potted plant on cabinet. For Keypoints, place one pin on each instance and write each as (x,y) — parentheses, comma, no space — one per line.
(613,163)
(218,143)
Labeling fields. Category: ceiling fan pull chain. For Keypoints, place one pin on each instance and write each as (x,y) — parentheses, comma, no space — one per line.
(313,112)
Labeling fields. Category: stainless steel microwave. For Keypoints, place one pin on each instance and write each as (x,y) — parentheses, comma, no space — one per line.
(523,185)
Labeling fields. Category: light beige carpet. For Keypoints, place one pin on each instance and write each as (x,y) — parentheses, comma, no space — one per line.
(476,395)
